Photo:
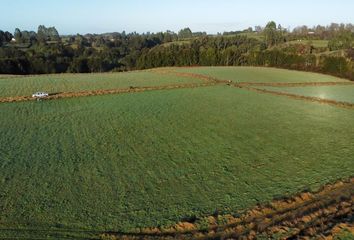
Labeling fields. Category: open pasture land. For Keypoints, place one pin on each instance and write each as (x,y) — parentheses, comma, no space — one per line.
(119,162)
(337,93)
(249,35)
(260,75)
(83,166)
(314,43)
(177,43)
(25,86)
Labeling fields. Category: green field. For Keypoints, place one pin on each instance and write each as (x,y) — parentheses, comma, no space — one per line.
(26,86)
(117,162)
(259,74)
(178,43)
(314,43)
(254,35)
(337,93)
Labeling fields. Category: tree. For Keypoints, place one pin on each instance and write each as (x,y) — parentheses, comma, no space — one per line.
(270,32)
(2,38)
(18,35)
(79,65)
(185,33)
(53,34)
(5,37)
(302,30)
(272,35)
(45,34)
(344,40)
(41,34)
(29,37)
(258,29)
(335,65)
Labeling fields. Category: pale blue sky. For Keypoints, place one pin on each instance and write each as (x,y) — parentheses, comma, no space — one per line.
(99,16)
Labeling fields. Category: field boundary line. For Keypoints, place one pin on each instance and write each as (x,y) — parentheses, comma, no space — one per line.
(202,77)
(108,92)
(299,97)
(307,84)
(270,84)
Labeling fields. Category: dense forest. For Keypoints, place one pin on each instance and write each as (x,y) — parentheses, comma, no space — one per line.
(327,49)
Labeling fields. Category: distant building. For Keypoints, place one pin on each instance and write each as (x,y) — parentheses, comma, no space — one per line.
(13,40)
(311,33)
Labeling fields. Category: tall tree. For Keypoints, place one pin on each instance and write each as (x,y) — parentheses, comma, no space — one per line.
(185,33)
(272,35)
(18,35)
(45,34)
(5,37)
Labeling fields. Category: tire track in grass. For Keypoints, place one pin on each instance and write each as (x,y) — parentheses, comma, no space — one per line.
(307,84)
(202,77)
(267,84)
(305,215)
(299,97)
(106,92)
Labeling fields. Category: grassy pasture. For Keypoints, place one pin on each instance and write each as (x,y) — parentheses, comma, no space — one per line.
(254,35)
(25,86)
(259,74)
(337,93)
(117,162)
(314,43)
(179,43)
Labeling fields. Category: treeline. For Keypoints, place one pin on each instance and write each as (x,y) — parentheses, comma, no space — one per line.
(334,65)
(206,51)
(322,32)
(45,51)
(242,51)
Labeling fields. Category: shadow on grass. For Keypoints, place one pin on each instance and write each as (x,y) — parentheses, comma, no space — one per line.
(55,94)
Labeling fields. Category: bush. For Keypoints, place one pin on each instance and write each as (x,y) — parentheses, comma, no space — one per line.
(335,65)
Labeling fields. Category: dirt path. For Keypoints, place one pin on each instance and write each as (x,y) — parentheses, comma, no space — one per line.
(300,97)
(105,92)
(307,84)
(190,75)
(266,84)
(305,215)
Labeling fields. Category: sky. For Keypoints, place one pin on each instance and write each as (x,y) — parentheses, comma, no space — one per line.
(212,16)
